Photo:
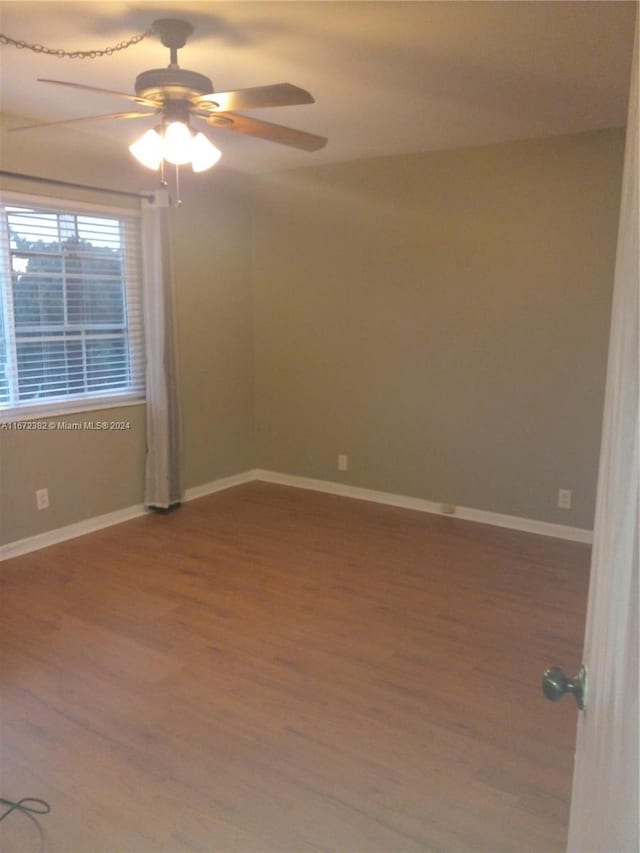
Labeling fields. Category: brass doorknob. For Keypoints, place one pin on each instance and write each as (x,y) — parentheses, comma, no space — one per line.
(555,684)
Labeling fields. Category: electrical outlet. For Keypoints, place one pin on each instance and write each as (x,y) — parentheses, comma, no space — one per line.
(564,498)
(42,498)
(343,462)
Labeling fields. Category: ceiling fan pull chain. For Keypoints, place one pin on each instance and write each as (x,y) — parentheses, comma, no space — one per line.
(75,54)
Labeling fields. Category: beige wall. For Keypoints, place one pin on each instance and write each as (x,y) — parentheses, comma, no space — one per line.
(87,472)
(212,257)
(442,319)
(91,473)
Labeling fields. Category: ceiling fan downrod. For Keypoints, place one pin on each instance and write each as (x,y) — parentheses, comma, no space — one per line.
(172,83)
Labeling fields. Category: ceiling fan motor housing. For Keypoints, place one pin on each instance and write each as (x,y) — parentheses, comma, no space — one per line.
(172,84)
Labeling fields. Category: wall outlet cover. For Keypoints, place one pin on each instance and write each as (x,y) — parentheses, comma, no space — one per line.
(564,498)
(42,498)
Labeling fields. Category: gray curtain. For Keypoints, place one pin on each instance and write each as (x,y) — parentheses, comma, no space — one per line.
(163,480)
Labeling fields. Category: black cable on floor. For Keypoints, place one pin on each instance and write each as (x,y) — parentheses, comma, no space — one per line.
(37,806)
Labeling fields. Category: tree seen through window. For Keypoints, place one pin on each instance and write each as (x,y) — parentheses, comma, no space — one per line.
(69,304)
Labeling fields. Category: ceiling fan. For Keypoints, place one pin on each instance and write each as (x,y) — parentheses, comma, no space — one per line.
(176,95)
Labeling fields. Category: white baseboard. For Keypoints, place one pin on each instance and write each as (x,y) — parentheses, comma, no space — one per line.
(70,531)
(219,485)
(89,525)
(513,522)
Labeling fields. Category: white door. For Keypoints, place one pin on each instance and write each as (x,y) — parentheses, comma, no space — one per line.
(604,805)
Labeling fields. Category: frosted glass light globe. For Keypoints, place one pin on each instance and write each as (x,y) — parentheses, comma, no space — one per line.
(177,143)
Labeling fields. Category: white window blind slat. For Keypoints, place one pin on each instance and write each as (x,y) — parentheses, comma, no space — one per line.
(70,307)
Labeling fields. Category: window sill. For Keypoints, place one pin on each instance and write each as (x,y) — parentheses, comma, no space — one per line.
(44,412)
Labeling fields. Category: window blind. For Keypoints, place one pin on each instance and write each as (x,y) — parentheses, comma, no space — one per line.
(71,326)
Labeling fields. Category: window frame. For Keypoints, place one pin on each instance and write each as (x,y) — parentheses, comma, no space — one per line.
(130,219)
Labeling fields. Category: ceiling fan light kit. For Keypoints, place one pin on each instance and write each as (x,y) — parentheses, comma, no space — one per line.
(178,95)
(176,144)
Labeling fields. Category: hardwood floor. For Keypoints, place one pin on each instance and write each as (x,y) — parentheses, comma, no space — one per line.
(270,669)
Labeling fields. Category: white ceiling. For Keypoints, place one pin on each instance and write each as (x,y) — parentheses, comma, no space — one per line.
(388,77)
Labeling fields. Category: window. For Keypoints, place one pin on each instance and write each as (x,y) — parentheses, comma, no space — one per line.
(70,308)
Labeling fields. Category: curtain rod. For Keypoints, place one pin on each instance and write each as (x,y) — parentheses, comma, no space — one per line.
(75,186)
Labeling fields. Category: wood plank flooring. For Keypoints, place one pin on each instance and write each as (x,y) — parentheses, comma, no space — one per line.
(270,669)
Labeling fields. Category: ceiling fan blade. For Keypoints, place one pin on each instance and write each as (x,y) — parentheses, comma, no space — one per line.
(278,95)
(144,101)
(266,130)
(81,118)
